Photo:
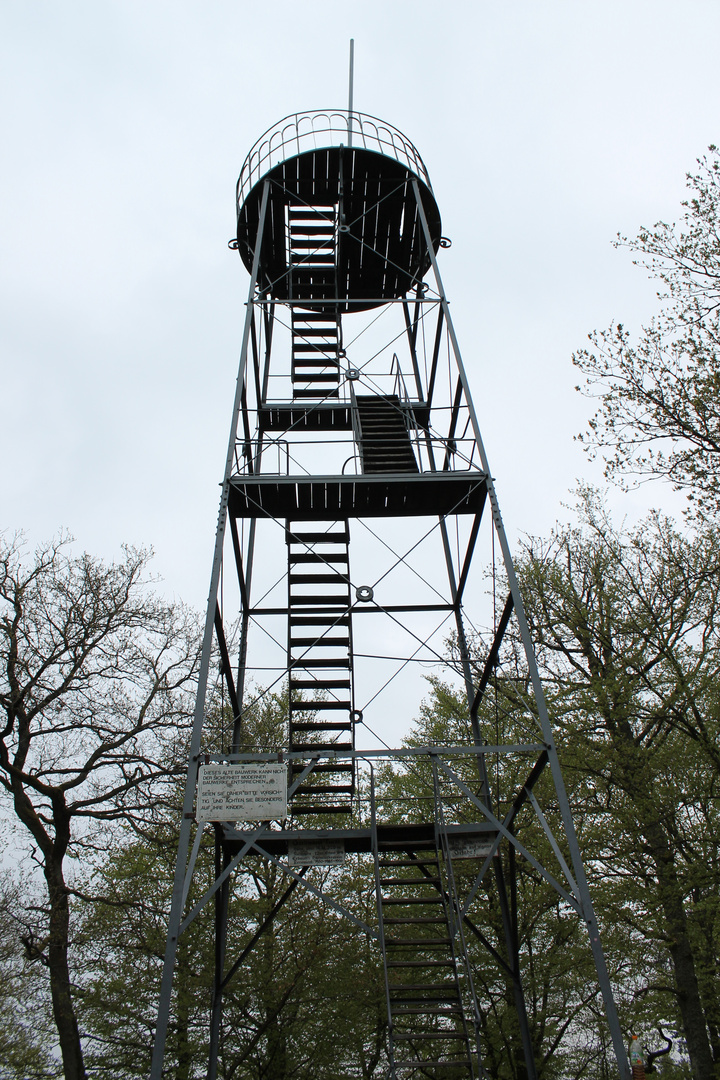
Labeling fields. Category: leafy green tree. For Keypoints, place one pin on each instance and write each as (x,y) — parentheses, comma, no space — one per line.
(627,631)
(26,1035)
(659,391)
(307,1002)
(96,678)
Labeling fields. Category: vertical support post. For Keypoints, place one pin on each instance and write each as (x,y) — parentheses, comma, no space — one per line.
(205,656)
(548,737)
(350,89)
(222,897)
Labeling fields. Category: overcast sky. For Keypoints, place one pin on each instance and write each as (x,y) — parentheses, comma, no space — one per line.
(547,127)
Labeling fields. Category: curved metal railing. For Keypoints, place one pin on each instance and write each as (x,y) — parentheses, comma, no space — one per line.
(319,130)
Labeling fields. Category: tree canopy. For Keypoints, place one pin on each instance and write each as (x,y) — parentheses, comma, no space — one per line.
(96,681)
(659,390)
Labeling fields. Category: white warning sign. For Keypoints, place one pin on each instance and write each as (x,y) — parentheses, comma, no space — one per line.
(242,792)
(316,853)
(470,847)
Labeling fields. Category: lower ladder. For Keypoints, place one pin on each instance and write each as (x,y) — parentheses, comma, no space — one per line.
(320,662)
(432,1018)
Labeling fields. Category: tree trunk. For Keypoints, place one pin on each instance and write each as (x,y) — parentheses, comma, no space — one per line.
(686,982)
(63,1009)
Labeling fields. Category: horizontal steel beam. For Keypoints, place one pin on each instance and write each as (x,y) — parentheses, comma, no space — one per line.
(404,751)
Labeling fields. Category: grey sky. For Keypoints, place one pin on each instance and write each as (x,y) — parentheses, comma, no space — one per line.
(546,127)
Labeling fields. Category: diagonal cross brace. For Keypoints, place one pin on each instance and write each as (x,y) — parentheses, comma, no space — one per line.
(317,892)
(493,654)
(513,839)
(512,813)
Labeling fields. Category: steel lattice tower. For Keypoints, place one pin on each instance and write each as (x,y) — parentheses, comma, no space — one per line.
(353,419)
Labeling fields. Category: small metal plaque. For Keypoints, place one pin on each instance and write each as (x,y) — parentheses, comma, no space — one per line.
(242,792)
(316,853)
(470,847)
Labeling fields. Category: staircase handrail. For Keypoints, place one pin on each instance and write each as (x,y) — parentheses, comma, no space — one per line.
(456,926)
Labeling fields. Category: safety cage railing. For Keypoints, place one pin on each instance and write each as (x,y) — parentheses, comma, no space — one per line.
(300,132)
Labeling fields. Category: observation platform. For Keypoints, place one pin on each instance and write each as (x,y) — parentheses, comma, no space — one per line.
(361,242)
(379,495)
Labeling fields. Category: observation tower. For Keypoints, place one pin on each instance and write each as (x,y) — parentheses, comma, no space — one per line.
(359,545)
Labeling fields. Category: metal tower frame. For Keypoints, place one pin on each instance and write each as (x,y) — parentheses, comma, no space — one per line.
(353,416)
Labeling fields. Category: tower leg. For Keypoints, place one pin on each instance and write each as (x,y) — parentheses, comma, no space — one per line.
(199,716)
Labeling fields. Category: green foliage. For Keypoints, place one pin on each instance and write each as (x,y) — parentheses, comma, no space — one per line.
(626,627)
(26,1034)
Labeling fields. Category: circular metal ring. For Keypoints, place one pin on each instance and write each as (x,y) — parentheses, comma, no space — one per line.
(344,228)
(352,374)
(356,716)
(445,242)
(233,244)
(364,594)
(342,355)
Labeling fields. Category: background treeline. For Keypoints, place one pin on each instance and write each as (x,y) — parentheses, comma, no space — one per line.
(96,691)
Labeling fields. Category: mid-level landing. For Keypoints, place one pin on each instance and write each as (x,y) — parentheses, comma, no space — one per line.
(392,837)
(379,495)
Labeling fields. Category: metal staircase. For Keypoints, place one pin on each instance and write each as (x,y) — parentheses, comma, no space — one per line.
(312,271)
(383,435)
(433,1018)
(320,661)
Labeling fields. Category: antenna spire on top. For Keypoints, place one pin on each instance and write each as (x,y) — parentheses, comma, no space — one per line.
(350,89)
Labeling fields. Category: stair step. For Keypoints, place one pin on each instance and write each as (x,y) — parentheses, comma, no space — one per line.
(320,255)
(420,963)
(331,332)
(457,1011)
(319,706)
(409,862)
(426,943)
(322,600)
(309,731)
(297,244)
(330,620)
(319,684)
(411,899)
(303,222)
(325,662)
(315,725)
(410,881)
(424,1064)
(336,578)
(317,537)
(317,557)
(315,393)
(322,642)
(409,921)
(422,1001)
(316,378)
(314,352)
(301,748)
(453,1035)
